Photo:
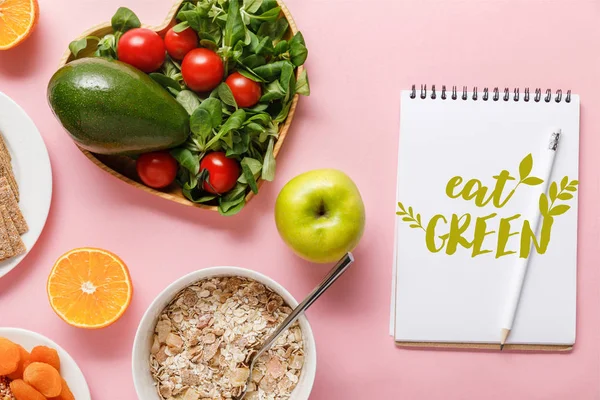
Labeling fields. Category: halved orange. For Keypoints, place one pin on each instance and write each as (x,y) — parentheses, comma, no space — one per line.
(89,288)
(17,20)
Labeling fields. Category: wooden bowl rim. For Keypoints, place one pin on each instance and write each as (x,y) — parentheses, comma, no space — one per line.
(67,57)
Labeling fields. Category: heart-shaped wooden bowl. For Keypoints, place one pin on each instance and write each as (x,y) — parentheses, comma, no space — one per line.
(122,167)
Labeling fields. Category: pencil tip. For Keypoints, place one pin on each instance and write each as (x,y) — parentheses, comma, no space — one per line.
(501,347)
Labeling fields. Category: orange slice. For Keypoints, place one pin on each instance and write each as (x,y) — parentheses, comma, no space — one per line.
(17,20)
(89,288)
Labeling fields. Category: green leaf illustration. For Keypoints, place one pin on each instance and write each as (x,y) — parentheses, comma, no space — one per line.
(543,204)
(525,166)
(565,196)
(574,183)
(571,188)
(532,181)
(553,191)
(564,182)
(401,207)
(560,209)
(410,216)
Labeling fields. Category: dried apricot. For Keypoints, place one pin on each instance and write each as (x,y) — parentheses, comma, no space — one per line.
(9,357)
(44,378)
(18,373)
(46,355)
(65,394)
(23,391)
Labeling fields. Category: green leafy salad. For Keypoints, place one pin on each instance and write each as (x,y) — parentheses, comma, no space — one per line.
(253,39)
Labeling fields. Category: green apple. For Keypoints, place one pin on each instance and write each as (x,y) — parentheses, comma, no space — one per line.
(320,215)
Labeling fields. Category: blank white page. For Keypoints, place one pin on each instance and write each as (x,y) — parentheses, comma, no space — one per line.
(460,298)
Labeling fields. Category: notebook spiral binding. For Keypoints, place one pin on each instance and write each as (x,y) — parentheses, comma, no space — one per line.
(496,96)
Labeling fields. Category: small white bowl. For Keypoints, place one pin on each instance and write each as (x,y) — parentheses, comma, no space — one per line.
(142,378)
(68,367)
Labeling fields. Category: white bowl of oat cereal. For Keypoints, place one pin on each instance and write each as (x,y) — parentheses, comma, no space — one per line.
(193,341)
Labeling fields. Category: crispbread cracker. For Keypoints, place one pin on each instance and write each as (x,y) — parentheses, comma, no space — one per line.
(8,200)
(13,236)
(6,167)
(4,149)
(6,251)
(7,172)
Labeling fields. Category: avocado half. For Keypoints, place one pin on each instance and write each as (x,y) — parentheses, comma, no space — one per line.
(109,107)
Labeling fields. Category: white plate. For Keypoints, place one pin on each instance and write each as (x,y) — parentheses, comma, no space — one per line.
(31,165)
(68,368)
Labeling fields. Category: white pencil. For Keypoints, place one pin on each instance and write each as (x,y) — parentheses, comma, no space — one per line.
(519,278)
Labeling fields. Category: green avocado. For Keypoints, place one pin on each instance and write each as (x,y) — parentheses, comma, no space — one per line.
(109,107)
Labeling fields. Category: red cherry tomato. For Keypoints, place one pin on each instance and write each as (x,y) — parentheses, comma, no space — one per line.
(223,172)
(142,48)
(202,70)
(245,91)
(157,169)
(178,44)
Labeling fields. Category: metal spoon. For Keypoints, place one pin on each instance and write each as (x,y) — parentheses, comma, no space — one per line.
(335,273)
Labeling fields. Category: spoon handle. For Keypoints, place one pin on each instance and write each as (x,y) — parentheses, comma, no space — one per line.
(335,273)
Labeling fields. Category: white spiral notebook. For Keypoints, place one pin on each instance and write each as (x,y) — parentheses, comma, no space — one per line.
(469,187)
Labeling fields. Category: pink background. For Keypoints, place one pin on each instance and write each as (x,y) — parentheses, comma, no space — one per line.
(362,53)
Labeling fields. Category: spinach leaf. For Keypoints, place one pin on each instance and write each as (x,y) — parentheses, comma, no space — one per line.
(107,47)
(210,30)
(253,128)
(171,69)
(288,81)
(259,108)
(283,113)
(253,61)
(240,140)
(209,44)
(268,4)
(270,72)
(233,201)
(252,6)
(187,160)
(189,100)
(238,50)
(281,47)
(187,6)
(226,95)
(262,46)
(255,167)
(263,118)
(298,50)
(232,209)
(193,19)
(77,45)
(302,85)
(274,30)
(234,122)
(268,169)
(214,107)
(180,27)
(201,124)
(250,75)
(124,20)
(235,29)
(249,177)
(165,81)
(273,91)
(271,15)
